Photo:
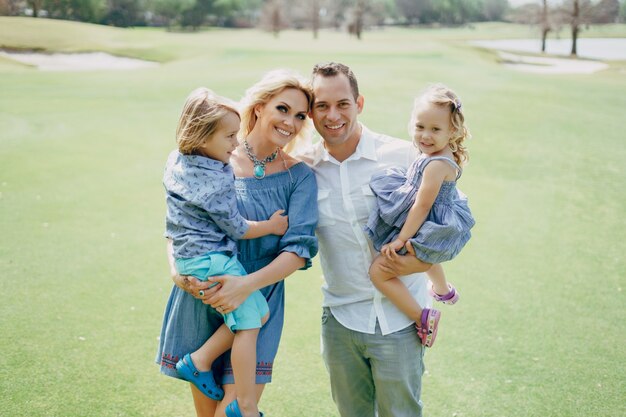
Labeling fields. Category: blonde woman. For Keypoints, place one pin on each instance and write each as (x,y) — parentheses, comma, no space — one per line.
(273,119)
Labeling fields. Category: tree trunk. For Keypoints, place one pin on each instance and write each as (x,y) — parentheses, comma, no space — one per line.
(35,4)
(575,26)
(276,21)
(545,25)
(358,18)
(316,18)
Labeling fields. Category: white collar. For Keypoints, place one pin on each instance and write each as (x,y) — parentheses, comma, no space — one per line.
(366,148)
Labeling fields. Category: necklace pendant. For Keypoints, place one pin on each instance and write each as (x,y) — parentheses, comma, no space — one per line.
(259,172)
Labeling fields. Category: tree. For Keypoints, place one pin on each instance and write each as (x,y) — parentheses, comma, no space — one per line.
(494,10)
(11,7)
(36,6)
(315,17)
(168,12)
(413,10)
(545,25)
(81,10)
(195,16)
(123,13)
(605,11)
(271,16)
(357,24)
(575,14)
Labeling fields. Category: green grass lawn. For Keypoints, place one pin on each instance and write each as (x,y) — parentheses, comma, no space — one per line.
(540,328)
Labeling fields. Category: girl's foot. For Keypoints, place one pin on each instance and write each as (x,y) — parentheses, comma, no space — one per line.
(427,328)
(450,298)
(204,381)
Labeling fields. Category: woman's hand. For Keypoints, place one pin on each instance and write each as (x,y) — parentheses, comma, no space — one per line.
(233,291)
(201,290)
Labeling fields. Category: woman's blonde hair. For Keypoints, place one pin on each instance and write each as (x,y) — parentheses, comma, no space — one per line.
(272,83)
(440,95)
(200,118)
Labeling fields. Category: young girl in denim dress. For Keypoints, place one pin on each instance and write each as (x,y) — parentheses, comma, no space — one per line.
(421,209)
(203,223)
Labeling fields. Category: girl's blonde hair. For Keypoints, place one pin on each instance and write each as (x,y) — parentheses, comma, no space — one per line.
(441,95)
(272,83)
(200,118)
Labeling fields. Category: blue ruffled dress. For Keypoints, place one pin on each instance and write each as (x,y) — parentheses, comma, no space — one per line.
(446,228)
(188,323)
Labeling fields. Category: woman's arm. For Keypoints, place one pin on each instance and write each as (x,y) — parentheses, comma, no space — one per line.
(296,248)
(235,290)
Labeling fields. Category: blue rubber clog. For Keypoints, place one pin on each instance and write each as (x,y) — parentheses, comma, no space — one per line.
(204,381)
(232,410)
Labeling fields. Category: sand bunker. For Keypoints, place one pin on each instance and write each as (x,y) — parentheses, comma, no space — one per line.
(90,61)
(544,65)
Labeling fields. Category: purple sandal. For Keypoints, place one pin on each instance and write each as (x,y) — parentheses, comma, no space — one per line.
(427,330)
(450,298)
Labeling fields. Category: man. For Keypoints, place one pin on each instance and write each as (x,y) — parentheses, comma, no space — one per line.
(372,351)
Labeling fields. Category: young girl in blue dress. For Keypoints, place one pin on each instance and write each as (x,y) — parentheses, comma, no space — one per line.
(421,209)
(203,222)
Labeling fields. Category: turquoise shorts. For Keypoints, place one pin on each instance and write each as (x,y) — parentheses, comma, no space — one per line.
(250,313)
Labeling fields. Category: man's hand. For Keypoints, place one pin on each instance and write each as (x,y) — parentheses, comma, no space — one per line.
(392,247)
(399,265)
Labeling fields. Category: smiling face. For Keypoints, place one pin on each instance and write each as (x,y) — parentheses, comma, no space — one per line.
(221,144)
(432,128)
(335,110)
(282,117)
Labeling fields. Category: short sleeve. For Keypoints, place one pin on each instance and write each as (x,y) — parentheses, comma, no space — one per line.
(302,210)
(221,205)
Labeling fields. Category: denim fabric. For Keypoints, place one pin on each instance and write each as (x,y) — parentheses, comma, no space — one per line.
(201,204)
(294,191)
(446,228)
(250,313)
(187,322)
(372,375)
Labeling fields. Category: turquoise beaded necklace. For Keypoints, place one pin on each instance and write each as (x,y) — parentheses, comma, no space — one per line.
(259,166)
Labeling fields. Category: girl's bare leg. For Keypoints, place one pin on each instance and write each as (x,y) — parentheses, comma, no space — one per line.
(438,278)
(205,407)
(395,290)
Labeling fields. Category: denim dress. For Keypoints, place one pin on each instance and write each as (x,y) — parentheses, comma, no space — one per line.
(447,226)
(188,323)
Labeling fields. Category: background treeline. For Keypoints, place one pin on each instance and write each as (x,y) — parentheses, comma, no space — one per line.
(352,15)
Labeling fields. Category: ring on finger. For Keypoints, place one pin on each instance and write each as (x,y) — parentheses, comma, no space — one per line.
(201,293)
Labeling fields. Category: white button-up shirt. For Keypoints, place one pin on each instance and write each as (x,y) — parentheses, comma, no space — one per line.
(345,202)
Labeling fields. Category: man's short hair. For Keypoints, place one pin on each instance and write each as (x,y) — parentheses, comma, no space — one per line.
(331,69)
